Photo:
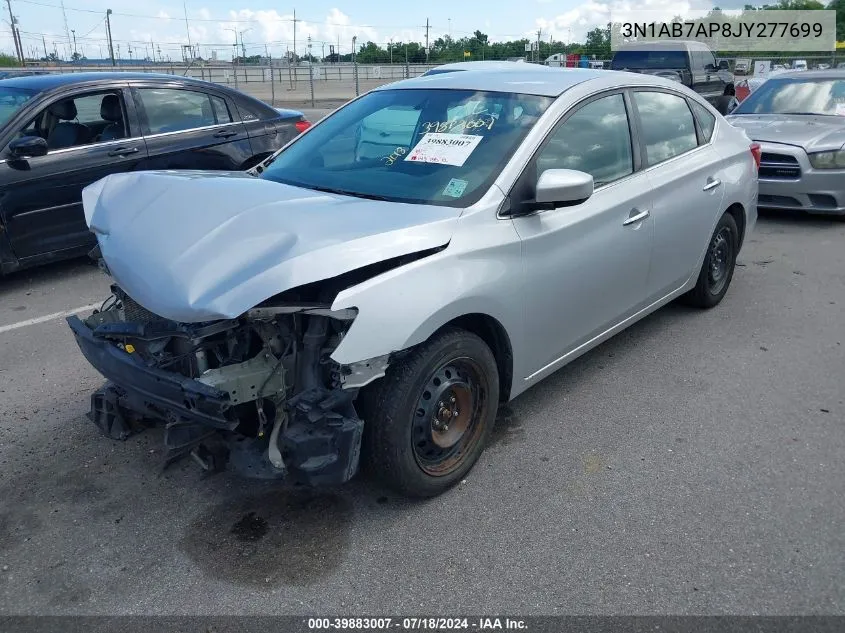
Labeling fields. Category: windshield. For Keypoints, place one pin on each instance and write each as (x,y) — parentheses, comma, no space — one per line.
(11,100)
(796,96)
(649,60)
(442,147)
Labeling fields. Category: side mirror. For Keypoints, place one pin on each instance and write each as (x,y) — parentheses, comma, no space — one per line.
(28,147)
(723,65)
(563,187)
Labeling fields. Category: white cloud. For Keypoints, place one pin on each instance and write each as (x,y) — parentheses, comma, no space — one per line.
(574,24)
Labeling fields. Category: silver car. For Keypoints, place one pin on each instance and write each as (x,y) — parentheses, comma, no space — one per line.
(799,120)
(332,308)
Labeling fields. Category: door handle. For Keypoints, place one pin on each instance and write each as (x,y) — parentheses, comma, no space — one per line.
(636,216)
(711,184)
(225,134)
(123,151)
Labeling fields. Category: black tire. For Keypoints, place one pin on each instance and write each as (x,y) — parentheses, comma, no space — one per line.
(718,267)
(725,104)
(407,436)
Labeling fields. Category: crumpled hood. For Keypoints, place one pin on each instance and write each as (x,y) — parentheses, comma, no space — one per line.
(813,133)
(199,246)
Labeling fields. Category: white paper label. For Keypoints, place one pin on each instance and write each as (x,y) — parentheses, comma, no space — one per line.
(444,149)
(840,109)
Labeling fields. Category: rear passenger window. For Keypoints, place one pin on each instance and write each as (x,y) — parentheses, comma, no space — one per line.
(171,110)
(667,125)
(596,139)
(706,121)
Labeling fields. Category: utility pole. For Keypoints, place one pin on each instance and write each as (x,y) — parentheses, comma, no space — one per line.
(43,41)
(74,42)
(118,53)
(426,40)
(64,15)
(152,50)
(187,28)
(108,32)
(18,51)
(16,31)
(537,58)
(130,52)
(294,33)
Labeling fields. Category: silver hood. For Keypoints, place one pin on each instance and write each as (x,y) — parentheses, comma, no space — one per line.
(813,133)
(200,246)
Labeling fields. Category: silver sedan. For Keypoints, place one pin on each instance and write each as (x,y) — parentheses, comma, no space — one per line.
(377,294)
(799,120)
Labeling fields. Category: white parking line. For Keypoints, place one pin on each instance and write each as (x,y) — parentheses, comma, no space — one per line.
(46,317)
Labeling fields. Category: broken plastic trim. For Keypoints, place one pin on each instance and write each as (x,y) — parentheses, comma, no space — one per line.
(361,374)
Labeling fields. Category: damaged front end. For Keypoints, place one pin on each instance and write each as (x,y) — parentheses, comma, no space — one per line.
(258,394)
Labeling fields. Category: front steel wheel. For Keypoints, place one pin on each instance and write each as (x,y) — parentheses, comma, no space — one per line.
(428,420)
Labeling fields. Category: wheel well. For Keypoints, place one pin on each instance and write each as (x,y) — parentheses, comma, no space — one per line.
(738,214)
(494,335)
(252,161)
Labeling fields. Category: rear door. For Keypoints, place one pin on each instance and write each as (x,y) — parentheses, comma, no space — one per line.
(683,168)
(41,199)
(269,129)
(190,128)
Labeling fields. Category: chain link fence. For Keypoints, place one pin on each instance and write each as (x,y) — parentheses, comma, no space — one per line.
(330,84)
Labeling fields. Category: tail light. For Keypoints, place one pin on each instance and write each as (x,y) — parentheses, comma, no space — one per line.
(302,125)
(757,153)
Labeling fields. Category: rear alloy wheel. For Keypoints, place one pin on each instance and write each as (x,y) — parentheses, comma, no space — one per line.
(428,420)
(719,264)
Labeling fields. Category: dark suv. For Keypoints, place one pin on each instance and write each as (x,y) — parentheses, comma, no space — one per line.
(688,62)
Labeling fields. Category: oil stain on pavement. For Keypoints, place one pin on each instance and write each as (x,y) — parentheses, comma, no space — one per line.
(292,537)
(508,427)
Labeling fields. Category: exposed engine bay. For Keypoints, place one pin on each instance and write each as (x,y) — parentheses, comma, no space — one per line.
(258,394)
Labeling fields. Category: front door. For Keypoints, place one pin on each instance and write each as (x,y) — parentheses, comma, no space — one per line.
(90,134)
(586,266)
(191,129)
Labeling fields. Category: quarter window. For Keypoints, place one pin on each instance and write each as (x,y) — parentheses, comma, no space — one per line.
(706,121)
(667,125)
(596,139)
(171,110)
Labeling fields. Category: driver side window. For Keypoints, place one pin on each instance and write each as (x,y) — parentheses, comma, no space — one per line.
(596,139)
(83,119)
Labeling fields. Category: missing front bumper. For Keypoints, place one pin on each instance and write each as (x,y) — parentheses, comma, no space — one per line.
(320,444)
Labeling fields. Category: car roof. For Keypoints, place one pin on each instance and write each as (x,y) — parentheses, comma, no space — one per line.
(482,65)
(56,80)
(536,80)
(671,45)
(829,73)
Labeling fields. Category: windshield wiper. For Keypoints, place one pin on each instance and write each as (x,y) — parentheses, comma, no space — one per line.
(354,194)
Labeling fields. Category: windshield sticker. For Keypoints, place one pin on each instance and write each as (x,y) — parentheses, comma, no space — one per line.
(444,149)
(455,188)
(399,151)
(439,127)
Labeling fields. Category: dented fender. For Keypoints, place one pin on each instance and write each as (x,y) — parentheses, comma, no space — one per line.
(405,306)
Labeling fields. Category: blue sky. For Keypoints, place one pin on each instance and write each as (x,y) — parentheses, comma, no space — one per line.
(270,24)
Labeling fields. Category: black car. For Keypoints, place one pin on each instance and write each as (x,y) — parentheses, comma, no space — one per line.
(691,63)
(62,132)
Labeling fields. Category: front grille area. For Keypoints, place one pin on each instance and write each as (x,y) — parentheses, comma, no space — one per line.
(779,166)
(136,313)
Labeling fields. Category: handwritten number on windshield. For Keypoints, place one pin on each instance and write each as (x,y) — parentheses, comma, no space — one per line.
(460,125)
(394,156)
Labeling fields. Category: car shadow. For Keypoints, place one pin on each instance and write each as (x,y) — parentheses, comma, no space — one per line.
(49,273)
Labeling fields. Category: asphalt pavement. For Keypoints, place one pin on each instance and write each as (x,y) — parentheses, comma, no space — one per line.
(691,465)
